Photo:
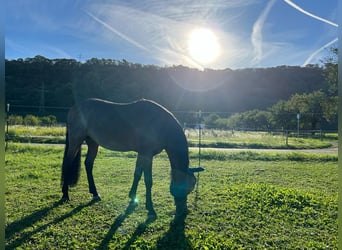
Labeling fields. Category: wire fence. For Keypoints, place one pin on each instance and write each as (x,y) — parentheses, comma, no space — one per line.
(188,119)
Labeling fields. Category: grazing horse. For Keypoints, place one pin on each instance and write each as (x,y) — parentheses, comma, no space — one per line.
(142,126)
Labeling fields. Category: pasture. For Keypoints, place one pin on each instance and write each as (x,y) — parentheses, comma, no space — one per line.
(210,138)
(244,200)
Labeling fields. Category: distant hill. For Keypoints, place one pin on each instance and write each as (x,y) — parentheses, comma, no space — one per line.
(36,84)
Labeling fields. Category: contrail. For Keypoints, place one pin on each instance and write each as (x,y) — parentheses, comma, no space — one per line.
(256,36)
(309,14)
(308,60)
(123,36)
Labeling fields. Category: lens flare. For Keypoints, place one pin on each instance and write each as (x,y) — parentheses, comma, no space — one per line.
(203,45)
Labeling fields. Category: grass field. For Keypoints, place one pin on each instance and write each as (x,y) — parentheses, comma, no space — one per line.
(244,200)
(210,138)
(246,139)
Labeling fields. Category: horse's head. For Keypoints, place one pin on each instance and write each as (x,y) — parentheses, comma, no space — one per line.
(183,183)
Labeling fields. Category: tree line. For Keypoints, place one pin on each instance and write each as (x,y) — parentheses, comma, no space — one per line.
(43,86)
(313,110)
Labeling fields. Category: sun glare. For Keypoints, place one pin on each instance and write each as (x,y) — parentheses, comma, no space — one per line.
(203,46)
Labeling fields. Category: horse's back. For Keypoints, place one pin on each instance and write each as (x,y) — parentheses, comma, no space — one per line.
(137,126)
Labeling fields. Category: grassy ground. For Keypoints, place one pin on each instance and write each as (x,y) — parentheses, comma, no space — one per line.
(35,134)
(258,140)
(245,200)
(210,138)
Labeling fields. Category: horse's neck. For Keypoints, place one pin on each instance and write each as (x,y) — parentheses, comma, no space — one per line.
(178,153)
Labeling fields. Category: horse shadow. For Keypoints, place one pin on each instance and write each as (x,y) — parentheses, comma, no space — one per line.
(118,222)
(175,237)
(20,225)
(139,231)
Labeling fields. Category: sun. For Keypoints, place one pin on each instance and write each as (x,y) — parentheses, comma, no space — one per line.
(203,46)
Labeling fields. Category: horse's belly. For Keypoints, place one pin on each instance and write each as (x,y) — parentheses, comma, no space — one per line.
(122,137)
(117,144)
(119,147)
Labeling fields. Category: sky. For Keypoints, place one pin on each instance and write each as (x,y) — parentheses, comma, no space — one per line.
(229,33)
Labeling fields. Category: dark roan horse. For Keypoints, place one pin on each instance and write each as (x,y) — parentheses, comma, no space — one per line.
(142,126)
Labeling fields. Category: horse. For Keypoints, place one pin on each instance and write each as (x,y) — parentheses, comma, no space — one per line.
(142,126)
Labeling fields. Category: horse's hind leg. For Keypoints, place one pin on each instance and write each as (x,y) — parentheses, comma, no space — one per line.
(89,163)
(70,168)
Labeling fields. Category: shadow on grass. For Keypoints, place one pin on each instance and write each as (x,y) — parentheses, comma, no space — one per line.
(139,231)
(26,222)
(175,237)
(20,225)
(117,223)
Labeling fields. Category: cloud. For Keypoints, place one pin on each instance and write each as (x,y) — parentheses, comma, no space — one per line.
(159,29)
(23,49)
(315,53)
(15,47)
(256,37)
(115,31)
(282,49)
(54,50)
(309,14)
(156,32)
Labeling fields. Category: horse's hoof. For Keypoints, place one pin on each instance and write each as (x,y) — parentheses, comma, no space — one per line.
(65,199)
(152,215)
(96,198)
(134,202)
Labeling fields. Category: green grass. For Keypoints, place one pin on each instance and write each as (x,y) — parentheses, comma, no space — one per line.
(245,200)
(236,139)
(210,138)
(246,155)
(35,134)
(36,131)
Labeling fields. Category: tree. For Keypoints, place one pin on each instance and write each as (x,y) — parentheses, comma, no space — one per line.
(38,81)
(281,116)
(330,71)
(235,121)
(310,106)
(331,76)
(49,120)
(211,119)
(15,120)
(263,119)
(31,120)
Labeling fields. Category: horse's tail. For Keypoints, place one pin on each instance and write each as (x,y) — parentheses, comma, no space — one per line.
(71,166)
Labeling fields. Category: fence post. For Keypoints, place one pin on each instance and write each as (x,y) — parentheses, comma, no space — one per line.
(7,123)
(199,137)
(298,117)
(287,137)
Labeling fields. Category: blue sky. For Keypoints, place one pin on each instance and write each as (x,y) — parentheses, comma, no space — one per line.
(250,33)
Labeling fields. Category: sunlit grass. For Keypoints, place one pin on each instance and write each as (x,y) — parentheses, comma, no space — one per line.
(37,131)
(244,200)
(238,139)
(209,138)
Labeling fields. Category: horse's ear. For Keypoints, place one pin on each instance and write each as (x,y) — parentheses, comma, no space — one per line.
(194,170)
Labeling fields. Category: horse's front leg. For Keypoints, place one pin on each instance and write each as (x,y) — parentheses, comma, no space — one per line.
(143,164)
(148,185)
(89,163)
(137,175)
